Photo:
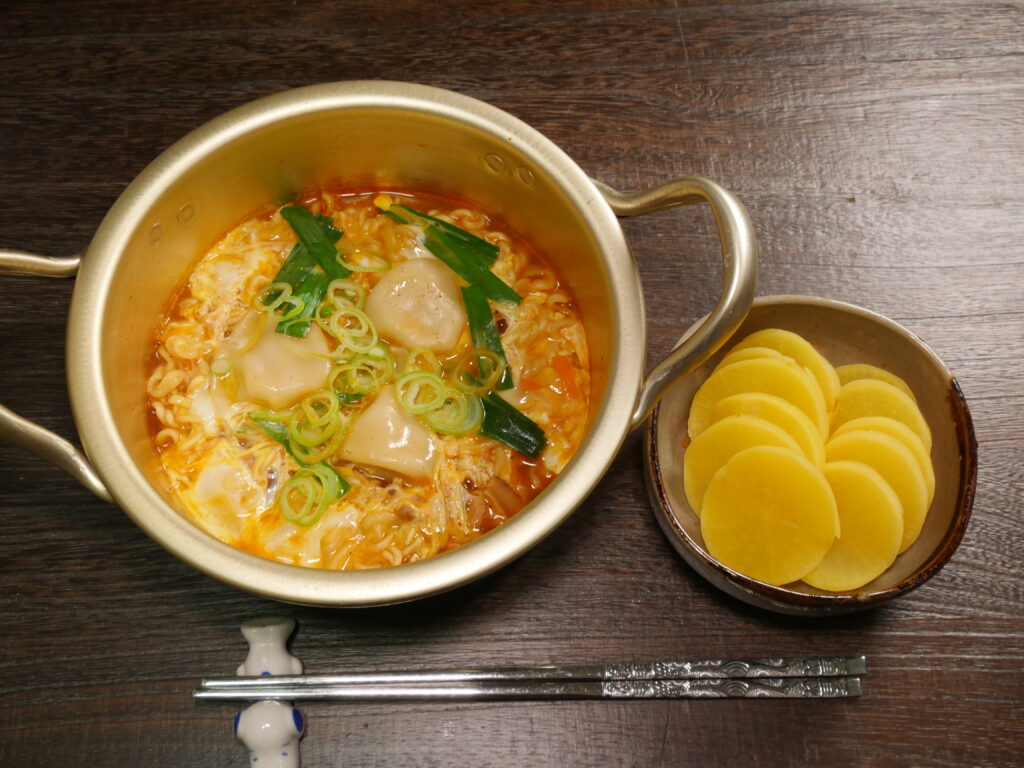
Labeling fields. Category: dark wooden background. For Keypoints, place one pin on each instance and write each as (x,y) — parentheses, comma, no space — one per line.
(880,149)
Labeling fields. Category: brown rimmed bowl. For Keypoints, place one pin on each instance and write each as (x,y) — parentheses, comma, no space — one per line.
(844,334)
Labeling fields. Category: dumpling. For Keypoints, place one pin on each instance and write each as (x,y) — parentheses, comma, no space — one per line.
(418,304)
(279,370)
(386,436)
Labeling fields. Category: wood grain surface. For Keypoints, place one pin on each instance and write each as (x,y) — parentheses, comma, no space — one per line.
(880,149)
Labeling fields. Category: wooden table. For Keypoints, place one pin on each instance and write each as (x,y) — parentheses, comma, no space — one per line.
(880,149)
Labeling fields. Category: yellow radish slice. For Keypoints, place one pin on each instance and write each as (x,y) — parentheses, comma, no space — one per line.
(894,462)
(774,377)
(870,397)
(904,434)
(848,373)
(770,515)
(719,443)
(751,353)
(871,520)
(780,412)
(803,352)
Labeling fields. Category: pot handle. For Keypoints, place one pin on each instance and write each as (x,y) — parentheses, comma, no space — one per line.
(739,257)
(18,430)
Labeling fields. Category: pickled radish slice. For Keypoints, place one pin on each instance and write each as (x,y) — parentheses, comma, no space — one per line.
(848,373)
(896,464)
(905,435)
(860,422)
(870,397)
(871,520)
(770,515)
(803,352)
(774,377)
(750,353)
(779,412)
(719,443)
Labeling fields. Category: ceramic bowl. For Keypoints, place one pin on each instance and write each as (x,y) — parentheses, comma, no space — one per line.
(844,334)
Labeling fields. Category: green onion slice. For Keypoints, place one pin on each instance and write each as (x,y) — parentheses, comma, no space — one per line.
(478,371)
(379,352)
(220,366)
(308,274)
(484,330)
(310,292)
(307,494)
(318,452)
(304,501)
(315,422)
(321,407)
(341,292)
(506,424)
(361,260)
(422,359)
(361,375)
(278,301)
(460,414)
(279,430)
(351,327)
(420,392)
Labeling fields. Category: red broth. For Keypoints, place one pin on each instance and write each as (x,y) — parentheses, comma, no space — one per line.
(227,474)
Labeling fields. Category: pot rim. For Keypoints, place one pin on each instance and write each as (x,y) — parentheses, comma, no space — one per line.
(127,484)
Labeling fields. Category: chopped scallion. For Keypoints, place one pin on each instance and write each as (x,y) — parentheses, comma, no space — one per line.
(422,359)
(361,260)
(220,367)
(465,254)
(277,430)
(465,265)
(477,371)
(318,234)
(361,375)
(460,414)
(307,494)
(486,251)
(350,326)
(420,392)
(507,424)
(334,486)
(309,268)
(484,330)
(309,293)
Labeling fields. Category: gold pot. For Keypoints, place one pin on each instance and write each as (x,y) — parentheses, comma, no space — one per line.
(362,134)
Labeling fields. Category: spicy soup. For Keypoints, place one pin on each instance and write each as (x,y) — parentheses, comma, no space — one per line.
(365,379)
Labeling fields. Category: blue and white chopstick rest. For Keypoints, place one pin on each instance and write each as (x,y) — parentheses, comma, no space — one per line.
(270,730)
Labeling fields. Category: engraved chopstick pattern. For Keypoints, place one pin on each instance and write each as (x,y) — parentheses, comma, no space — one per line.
(737,688)
(710,669)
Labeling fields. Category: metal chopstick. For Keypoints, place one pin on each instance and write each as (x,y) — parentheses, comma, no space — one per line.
(790,678)
(733,688)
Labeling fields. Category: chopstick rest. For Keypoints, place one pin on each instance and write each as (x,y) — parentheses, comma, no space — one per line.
(829,677)
(270,729)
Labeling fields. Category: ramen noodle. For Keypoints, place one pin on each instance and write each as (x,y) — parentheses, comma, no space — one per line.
(357,430)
